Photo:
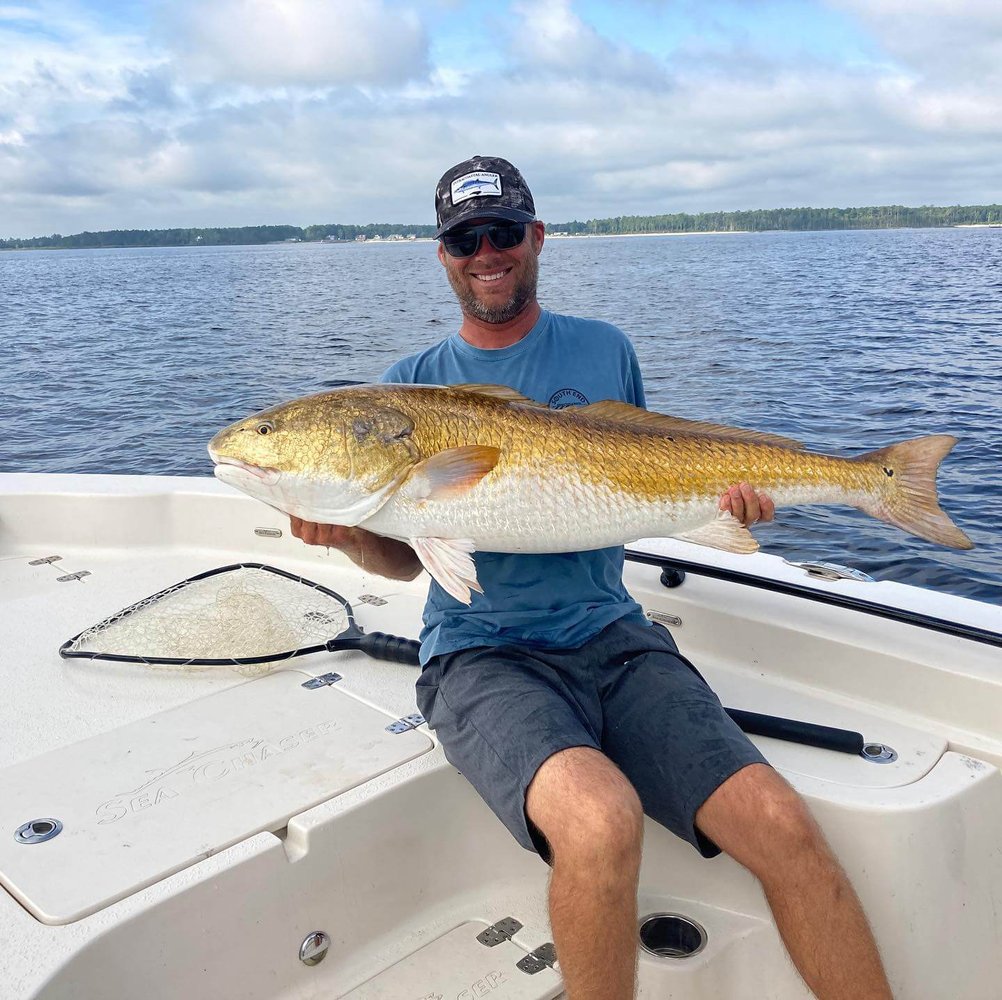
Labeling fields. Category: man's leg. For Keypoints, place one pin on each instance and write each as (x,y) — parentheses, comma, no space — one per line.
(761,822)
(592,819)
(524,732)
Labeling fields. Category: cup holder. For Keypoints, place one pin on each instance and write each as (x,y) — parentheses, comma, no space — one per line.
(671,935)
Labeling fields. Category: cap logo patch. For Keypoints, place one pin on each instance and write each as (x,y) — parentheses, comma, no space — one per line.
(476,185)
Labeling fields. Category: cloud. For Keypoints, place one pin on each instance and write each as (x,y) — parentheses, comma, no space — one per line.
(943,40)
(79,160)
(549,38)
(947,81)
(102,129)
(305,43)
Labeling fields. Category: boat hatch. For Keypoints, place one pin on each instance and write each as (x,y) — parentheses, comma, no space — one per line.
(141,802)
(472,960)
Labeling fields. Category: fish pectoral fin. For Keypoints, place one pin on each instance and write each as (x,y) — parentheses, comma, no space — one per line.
(449,562)
(624,413)
(726,533)
(451,473)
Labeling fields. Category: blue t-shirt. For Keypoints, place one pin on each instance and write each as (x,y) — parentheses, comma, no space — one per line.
(553,600)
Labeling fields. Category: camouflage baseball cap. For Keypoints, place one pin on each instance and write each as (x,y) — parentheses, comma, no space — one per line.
(482,187)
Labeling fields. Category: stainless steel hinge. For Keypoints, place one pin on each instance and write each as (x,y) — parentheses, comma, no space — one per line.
(44,560)
(544,957)
(405,724)
(73,576)
(321,680)
(503,930)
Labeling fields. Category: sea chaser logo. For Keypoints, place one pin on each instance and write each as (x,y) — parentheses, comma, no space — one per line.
(476,185)
(563,398)
(204,767)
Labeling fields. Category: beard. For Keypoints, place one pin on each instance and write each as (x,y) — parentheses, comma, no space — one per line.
(523,293)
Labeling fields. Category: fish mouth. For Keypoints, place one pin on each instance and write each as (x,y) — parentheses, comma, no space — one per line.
(268,476)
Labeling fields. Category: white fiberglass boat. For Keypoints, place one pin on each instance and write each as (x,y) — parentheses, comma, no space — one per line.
(188,833)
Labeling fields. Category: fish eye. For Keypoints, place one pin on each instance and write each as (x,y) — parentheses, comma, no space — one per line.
(265,427)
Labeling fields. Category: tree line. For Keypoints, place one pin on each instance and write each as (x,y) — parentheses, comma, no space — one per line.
(223,236)
(758,220)
(792,219)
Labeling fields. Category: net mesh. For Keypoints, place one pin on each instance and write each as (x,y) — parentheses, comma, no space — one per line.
(243,613)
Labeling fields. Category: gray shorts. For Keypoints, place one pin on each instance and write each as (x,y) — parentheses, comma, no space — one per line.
(500,711)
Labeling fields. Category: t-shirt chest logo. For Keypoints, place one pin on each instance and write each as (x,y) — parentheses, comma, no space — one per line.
(567,397)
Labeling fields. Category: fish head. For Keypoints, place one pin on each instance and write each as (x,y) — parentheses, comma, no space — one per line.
(334,458)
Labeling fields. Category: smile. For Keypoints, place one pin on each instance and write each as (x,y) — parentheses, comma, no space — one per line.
(494,276)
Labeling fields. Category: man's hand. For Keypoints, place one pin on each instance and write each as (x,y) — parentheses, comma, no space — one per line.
(334,536)
(374,553)
(747,505)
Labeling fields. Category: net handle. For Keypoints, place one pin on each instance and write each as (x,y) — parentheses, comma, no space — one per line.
(381,646)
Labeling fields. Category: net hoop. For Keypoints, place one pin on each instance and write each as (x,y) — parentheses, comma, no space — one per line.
(67,652)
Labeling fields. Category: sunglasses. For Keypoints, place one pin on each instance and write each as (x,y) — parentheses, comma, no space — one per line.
(465,242)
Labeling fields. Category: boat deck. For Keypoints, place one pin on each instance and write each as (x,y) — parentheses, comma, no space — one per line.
(213,820)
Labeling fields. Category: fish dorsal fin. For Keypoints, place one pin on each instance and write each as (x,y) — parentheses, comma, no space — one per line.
(726,532)
(452,472)
(498,392)
(624,413)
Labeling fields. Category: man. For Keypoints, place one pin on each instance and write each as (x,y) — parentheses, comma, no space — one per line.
(569,712)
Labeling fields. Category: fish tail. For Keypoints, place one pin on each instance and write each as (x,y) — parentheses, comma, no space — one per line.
(908,498)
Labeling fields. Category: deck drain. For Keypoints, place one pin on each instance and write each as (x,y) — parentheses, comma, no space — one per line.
(671,935)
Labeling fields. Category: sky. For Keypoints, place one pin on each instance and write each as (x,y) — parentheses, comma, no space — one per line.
(125,114)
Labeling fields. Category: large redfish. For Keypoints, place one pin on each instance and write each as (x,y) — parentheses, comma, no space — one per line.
(454,469)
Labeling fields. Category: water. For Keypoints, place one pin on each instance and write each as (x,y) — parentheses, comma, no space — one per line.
(128,361)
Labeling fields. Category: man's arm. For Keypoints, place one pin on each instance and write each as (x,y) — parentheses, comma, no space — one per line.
(373,553)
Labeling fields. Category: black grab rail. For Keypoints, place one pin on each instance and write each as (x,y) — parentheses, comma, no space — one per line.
(669,563)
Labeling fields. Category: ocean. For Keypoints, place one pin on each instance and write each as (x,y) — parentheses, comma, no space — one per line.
(128,361)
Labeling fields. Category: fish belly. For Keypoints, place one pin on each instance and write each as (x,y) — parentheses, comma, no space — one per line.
(530,514)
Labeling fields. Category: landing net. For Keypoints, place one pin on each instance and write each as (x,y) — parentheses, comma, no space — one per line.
(248,615)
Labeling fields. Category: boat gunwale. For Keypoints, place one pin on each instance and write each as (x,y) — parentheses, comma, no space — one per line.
(907,616)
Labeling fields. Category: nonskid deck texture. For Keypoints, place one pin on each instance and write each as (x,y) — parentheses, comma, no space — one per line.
(215,824)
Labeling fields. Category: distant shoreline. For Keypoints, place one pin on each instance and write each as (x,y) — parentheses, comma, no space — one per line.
(673,224)
(614,236)
(378,242)
(550,236)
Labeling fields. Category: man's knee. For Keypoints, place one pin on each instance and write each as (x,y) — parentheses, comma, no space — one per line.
(584,806)
(757,818)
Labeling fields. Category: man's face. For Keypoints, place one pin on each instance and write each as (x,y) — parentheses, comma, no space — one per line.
(494,286)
